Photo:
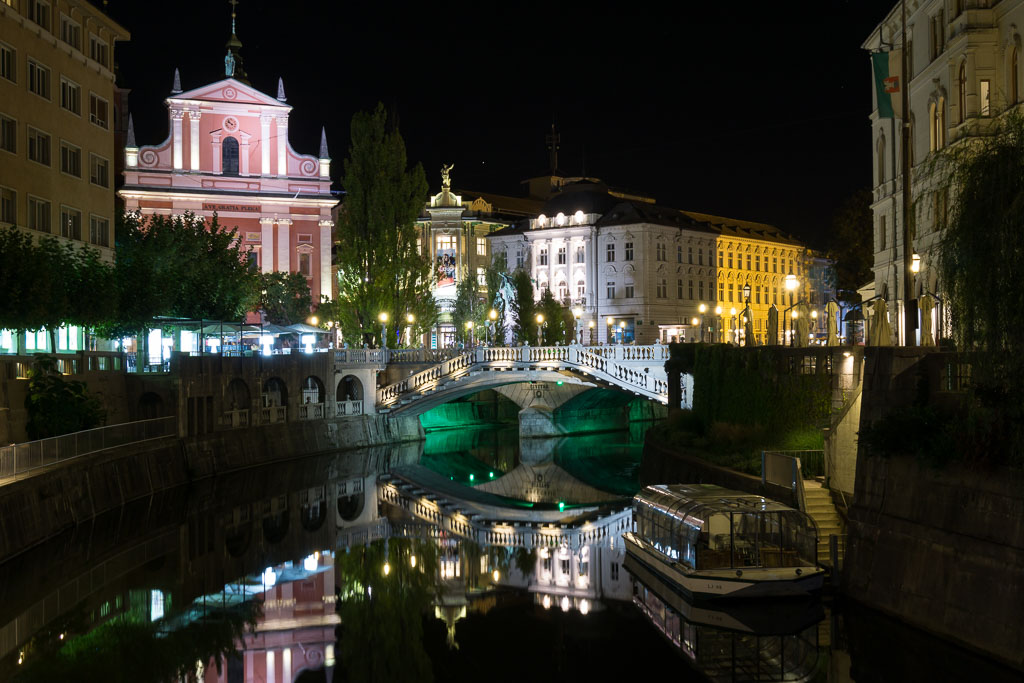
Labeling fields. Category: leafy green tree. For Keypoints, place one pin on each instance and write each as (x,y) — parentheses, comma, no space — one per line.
(554,319)
(469,307)
(493,278)
(284,297)
(58,406)
(850,243)
(379,268)
(524,324)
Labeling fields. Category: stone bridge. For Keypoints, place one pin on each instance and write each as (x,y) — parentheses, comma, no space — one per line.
(566,370)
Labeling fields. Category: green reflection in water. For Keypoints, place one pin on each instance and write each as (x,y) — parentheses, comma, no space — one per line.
(609,461)
(474,450)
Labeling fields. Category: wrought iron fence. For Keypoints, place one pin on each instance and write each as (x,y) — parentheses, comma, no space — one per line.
(17,460)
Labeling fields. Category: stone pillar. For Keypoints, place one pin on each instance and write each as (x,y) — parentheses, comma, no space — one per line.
(324,254)
(176,116)
(282,146)
(271,667)
(286,665)
(284,253)
(265,144)
(215,139)
(267,245)
(193,134)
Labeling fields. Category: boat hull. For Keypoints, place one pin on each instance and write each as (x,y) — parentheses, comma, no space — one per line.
(732,584)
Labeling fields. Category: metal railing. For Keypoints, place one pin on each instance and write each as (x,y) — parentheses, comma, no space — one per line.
(18,460)
(788,469)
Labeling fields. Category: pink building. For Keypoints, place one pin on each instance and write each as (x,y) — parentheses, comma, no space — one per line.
(228,153)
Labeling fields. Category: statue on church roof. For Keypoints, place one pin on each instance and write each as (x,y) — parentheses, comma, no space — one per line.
(229,64)
(446,178)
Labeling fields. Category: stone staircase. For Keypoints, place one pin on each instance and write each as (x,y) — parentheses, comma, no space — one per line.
(819,504)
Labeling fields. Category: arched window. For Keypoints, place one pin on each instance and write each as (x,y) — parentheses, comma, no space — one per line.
(563,291)
(581,289)
(962,92)
(229,156)
(880,154)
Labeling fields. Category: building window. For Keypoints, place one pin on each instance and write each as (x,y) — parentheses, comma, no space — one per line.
(581,289)
(38,214)
(98,50)
(662,288)
(689,288)
(481,277)
(481,246)
(757,295)
(775,264)
(938,35)
(8,134)
(8,206)
(730,259)
(581,254)
(881,232)
(229,156)
(748,261)
(609,252)
(610,292)
(660,252)
(689,255)
(721,257)
(39,12)
(679,254)
(520,258)
(542,257)
(732,292)
(70,96)
(38,79)
(99,171)
(70,223)
(8,63)
(711,257)
(679,288)
(70,159)
(700,287)
(721,291)
(71,33)
(38,146)
(628,251)
(700,257)
(419,246)
(629,289)
(98,115)
(99,231)
(561,256)
(962,93)
(985,97)
(306,264)
(563,291)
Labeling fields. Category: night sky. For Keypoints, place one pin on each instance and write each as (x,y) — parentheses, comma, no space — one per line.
(743,111)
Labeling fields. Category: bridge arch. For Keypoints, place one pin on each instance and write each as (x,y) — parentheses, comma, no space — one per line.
(349,389)
(275,527)
(236,395)
(275,392)
(312,390)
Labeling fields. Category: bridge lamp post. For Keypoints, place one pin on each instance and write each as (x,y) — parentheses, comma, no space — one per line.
(610,321)
(622,331)
(492,317)
(383,318)
(590,326)
(702,309)
(577,313)
(469,333)
(718,322)
(540,327)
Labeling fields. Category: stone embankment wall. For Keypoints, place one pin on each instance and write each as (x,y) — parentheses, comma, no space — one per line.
(36,508)
(941,549)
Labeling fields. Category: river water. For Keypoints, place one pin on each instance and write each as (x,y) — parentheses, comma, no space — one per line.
(341,586)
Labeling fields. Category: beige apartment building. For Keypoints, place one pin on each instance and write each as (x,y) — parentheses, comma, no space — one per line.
(57,120)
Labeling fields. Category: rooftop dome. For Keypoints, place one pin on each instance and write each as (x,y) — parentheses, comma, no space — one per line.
(585,195)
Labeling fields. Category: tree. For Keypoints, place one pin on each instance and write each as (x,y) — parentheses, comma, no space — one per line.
(493,278)
(379,267)
(523,313)
(850,244)
(284,298)
(57,406)
(469,307)
(554,319)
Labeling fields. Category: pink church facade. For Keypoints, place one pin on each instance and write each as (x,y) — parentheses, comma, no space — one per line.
(228,153)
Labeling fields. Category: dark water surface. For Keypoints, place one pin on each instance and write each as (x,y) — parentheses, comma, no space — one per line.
(343,587)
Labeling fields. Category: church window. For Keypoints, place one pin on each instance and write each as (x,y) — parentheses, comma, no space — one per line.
(481,246)
(881,233)
(629,251)
(305,264)
(229,156)
(609,252)
(581,254)
(543,257)
(561,256)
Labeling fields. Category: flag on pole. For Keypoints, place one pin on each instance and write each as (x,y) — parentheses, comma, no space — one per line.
(887,67)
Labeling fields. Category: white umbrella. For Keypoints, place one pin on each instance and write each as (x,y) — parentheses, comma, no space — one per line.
(881,333)
(926,304)
(831,310)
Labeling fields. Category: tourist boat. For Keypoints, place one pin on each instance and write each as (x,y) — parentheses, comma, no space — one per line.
(713,543)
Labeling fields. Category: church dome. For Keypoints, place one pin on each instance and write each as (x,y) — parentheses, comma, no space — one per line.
(585,195)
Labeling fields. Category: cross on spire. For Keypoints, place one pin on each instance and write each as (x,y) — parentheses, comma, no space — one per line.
(553,140)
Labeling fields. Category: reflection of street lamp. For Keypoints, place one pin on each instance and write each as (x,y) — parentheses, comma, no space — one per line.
(540,326)
(577,313)
(383,318)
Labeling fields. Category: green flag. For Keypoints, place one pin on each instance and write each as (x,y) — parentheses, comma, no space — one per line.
(886,66)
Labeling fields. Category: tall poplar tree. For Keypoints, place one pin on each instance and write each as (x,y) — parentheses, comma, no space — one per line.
(379,269)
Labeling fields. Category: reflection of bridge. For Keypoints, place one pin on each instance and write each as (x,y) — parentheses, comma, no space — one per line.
(636,369)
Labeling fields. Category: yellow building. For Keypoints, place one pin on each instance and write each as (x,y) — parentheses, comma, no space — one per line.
(760,256)
(56,132)
(56,120)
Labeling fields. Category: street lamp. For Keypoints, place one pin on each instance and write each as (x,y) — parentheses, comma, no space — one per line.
(383,318)
(703,309)
(577,313)
(590,326)
(611,321)
(410,319)
(915,264)
(540,326)
(492,317)
(622,331)
(469,333)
